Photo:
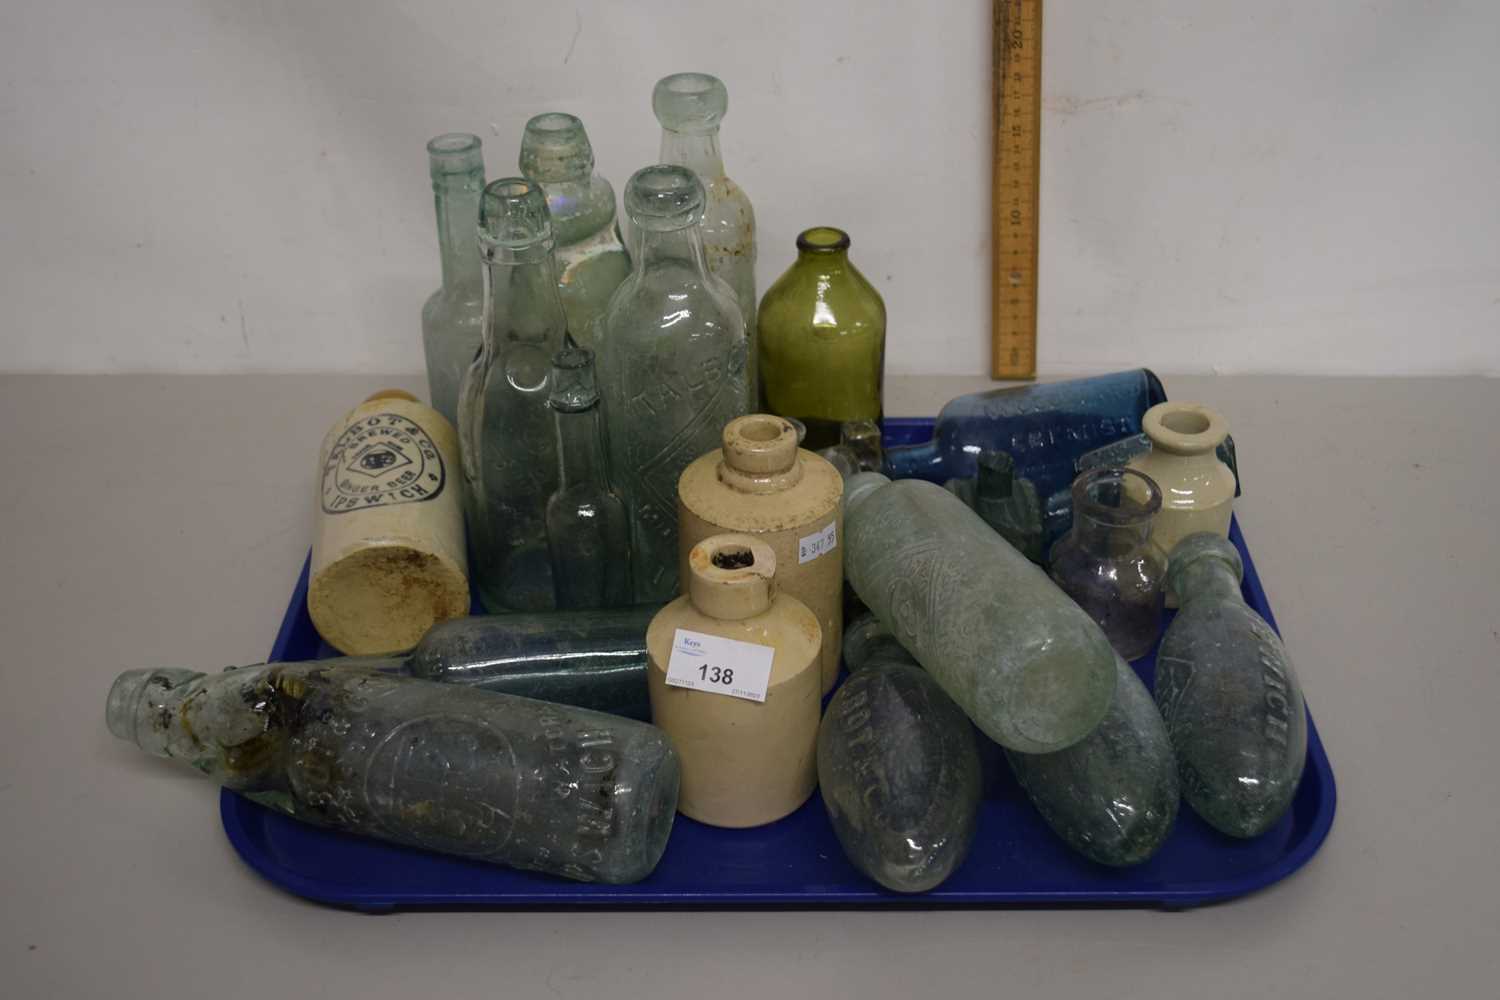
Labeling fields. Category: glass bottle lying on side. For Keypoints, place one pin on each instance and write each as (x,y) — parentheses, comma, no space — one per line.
(898,768)
(1232,701)
(486,776)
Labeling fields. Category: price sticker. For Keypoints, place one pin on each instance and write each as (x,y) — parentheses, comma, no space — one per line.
(809,547)
(720,666)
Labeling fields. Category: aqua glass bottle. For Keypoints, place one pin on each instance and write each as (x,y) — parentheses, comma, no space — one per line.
(590,255)
(505,425)
(1227,690)
(821,337)
(1021,659)
(672,365)
(490,777)
(690,107)
(588,534)
(453,316)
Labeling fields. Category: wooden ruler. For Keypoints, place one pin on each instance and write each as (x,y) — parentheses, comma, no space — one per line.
(1016,186)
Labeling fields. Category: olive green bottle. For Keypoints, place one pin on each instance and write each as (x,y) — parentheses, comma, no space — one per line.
(822,339)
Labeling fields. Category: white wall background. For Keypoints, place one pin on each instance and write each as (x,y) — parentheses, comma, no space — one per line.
(211,185)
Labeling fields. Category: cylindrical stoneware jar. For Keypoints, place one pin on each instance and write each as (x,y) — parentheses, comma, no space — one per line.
(388,556)
(760,483)
(1197,489)
(734,680)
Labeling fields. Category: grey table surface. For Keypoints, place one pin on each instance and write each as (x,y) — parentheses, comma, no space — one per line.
(161,520)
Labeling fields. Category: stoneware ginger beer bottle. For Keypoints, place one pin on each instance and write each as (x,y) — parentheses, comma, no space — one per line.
(388,548)
(734,681)
(760,483)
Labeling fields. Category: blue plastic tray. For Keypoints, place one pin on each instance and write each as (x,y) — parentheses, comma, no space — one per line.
(1016,859)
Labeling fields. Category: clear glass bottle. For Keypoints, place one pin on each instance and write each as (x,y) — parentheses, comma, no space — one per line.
(506,437)
(588,534)
(1007,502)
(1021,659)
(485,776)
(821,335)
(898,769)
(590,255)
(1112,796)
(453,316)
(1231,700)
(1109,563)
(860,448)
(672,365)
(689,107)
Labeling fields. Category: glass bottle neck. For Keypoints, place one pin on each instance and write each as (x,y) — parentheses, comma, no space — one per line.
(1104,538)
(829,261)
(680,247)
(580,448)
(698,151)
(456,199)
(521,299)
(1207,578)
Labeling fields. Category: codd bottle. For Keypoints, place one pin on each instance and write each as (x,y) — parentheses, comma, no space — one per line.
(453,317)
(1007,503)
(1227,690)
(591,257)
(588,535)
(1043,427)
(898,769)
(672,364)
(1112,796)
(590,659)
(505,425)
(1109,563)
(821,337)
(485,776)
(1020,658)
(690,107)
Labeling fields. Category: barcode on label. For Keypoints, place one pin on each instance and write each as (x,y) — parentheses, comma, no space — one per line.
(719,666)
(809,547)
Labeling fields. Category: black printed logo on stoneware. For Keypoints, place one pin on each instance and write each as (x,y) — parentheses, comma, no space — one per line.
(379,462)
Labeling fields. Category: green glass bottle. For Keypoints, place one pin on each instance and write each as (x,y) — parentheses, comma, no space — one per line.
(453,316)
(822,339)
(591,258)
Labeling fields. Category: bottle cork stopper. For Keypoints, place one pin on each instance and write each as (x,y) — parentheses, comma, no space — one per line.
(731,577)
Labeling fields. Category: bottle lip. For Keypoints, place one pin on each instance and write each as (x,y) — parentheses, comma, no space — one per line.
(1184,428)
(1116,496)
(690,103)
(573,387)
(664,197)
(731,576)
(1198,546)
(823,240)
(454,153)
(513,215)
(555,147)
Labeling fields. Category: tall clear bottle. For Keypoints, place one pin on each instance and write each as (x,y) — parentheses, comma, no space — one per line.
(591,257)
(672,364)
(588,534)
(505,425)
(486,776)
(453,317)
(690,107)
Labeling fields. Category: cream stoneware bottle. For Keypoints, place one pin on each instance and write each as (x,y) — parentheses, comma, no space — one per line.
(734,681)
(388,556)
(760,483)
(1197,489)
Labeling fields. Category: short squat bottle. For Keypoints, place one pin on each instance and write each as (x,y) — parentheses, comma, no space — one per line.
(672,365)
(898,769)
(1108,561)
(734,683)
(453,317)
(1112,796)
(1022,660)
(504,423)
(588,534)
(1197,486)
(591,257)
(821,334)
(1231,700)
(485,776)
(760,483)
(690,107)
